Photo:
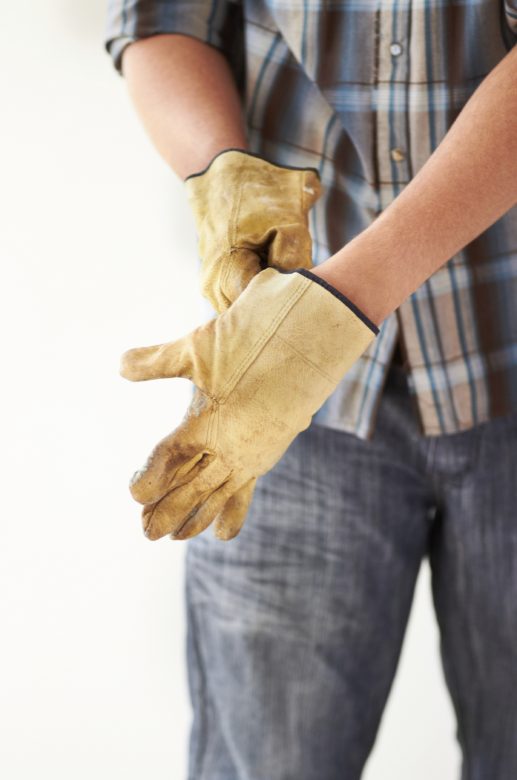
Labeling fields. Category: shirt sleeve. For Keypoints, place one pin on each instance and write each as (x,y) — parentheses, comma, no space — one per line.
(509,8)
(217,22)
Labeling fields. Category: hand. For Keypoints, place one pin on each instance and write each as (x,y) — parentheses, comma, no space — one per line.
(249,213)
(261,369)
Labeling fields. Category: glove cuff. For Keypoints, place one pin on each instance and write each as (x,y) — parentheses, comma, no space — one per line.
(356,310)
(258,157)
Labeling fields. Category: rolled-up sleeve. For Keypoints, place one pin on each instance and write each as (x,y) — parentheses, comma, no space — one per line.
(208,20)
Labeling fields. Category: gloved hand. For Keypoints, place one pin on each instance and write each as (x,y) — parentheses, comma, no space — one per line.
(249,210)
(262,368)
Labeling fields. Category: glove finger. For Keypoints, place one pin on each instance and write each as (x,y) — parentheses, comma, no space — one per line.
(207,510)
(176,460)
(237,270)
(291,247)
(171,512)
(230,520)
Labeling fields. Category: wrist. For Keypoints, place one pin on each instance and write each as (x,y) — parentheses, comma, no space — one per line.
(373,270)
(359,313)
(349,279)
(202,161)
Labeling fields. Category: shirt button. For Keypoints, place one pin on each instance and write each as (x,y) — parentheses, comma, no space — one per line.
(397,155)
(395,49)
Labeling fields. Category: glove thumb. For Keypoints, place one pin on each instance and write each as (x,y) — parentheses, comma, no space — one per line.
(173,359)
(311,189)
(291,247)
(236,272)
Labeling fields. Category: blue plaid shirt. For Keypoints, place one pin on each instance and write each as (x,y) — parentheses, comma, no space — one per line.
(364,91)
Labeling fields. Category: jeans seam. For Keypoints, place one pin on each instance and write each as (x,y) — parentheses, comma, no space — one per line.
(201,747)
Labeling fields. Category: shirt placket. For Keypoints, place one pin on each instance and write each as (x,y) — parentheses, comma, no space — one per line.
(393,147)
(392,74)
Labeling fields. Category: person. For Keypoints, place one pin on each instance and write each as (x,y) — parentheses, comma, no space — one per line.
(387,131)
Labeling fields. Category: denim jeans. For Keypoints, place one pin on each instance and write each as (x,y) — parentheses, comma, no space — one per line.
(294,627)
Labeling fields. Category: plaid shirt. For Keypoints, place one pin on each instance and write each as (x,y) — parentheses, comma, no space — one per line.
(364,91)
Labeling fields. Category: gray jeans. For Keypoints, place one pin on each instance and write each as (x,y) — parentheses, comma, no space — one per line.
(294,627)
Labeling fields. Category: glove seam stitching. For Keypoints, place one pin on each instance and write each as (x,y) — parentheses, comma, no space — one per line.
(306,360)
(230,263)
(236,208)
(211,438)
(232,228)
(262,341)
(209,428)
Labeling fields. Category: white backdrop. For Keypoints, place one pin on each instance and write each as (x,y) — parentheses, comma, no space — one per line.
(98,254)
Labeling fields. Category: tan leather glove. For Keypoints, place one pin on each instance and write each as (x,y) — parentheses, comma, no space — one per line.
(261,369)
(247,211)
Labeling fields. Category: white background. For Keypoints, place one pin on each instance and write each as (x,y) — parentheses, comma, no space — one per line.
(98,254)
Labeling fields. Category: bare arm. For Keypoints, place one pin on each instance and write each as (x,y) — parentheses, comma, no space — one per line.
(185,94)
(468,183)
(186,97)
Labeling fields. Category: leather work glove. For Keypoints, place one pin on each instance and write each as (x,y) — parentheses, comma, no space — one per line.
(249,213)
(261,369)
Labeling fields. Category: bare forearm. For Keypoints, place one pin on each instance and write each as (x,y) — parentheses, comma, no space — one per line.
(468,183)
(186,97)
